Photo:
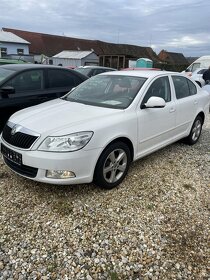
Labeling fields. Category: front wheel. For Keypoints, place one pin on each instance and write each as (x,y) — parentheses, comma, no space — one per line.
(195,131)
(112,165)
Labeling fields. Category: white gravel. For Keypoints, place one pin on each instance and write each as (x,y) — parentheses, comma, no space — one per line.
(153,226)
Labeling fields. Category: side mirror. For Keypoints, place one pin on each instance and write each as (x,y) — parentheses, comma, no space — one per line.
(4,91)
(155,102)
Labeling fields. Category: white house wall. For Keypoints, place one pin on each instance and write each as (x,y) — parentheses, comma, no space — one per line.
(89,61)
(66,61)
(12,47)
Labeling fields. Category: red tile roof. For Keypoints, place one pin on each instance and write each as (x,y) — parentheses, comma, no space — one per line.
(52,44)
(173,58)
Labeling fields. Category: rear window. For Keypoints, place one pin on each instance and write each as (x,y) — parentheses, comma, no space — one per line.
(84,71)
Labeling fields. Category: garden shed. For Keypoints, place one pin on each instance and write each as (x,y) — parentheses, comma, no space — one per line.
(75,58)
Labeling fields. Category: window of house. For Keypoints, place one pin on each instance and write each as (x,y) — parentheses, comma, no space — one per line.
(20,51)
(3,52)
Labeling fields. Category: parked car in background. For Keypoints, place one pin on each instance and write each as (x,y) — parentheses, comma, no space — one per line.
(70,67)
(140,69)
(4,61)
(90,71)
(25,85)
(95,131)
(201,62)
(197,76)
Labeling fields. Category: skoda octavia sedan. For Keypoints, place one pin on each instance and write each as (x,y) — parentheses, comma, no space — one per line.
(95,131)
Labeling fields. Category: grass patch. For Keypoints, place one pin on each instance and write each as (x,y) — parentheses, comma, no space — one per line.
(113,275)
(189,187)
(63,207)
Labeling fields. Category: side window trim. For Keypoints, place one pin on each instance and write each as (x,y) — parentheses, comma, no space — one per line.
(190,89)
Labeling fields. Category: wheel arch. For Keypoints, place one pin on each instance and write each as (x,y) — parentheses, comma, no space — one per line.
(125,140)
(121,140)
(202,115)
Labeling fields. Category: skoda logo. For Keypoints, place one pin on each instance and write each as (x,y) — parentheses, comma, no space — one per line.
(15,129)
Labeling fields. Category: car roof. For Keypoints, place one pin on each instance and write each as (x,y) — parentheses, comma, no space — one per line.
(17,67)
(138,68)
(96,67)
(140,73)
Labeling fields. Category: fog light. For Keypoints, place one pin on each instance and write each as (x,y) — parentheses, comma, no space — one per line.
(60,174)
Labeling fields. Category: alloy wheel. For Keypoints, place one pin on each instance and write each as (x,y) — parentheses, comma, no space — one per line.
(115,165)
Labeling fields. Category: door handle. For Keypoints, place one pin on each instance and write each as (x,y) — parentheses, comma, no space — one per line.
(195,101)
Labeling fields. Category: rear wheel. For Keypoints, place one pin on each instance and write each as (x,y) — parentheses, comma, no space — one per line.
(112,165)
(195,131)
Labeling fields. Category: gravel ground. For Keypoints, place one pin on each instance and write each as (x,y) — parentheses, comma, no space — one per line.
(153,226)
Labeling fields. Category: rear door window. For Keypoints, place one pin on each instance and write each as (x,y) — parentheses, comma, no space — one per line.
(61,79)
(183,87)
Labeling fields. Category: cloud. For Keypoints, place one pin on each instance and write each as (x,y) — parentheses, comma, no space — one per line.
(185,41)
(174,25)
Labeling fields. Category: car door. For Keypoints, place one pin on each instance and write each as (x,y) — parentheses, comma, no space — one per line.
(156,125)
(186,103)
(27,86)
(60,81)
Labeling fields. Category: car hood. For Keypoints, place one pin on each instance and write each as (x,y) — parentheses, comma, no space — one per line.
(57,115)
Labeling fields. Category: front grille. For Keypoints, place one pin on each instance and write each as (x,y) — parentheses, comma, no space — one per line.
(22,169)
(19,139)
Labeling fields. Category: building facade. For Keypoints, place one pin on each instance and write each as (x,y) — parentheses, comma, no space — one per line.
(11,44)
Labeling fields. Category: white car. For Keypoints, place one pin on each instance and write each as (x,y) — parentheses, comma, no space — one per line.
(197,76)
(95,131)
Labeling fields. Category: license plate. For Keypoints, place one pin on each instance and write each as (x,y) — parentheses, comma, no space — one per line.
(11,155)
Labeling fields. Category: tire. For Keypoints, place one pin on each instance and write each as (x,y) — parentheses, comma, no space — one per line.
(195,131)
(112,166)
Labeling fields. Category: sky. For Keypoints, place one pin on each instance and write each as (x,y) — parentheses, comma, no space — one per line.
(174,25)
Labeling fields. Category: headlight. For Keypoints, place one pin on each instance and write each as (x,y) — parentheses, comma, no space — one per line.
(66,143)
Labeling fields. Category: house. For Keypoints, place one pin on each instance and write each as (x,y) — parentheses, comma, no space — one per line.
(12,44)
(172,58)
(119,55)
(109,54)
(191,59)
(75,58)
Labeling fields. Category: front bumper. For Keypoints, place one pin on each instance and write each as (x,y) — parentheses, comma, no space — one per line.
(82,163)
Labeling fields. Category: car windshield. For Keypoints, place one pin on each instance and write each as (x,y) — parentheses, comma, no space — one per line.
(84,71)
(4,73)
(111,91)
